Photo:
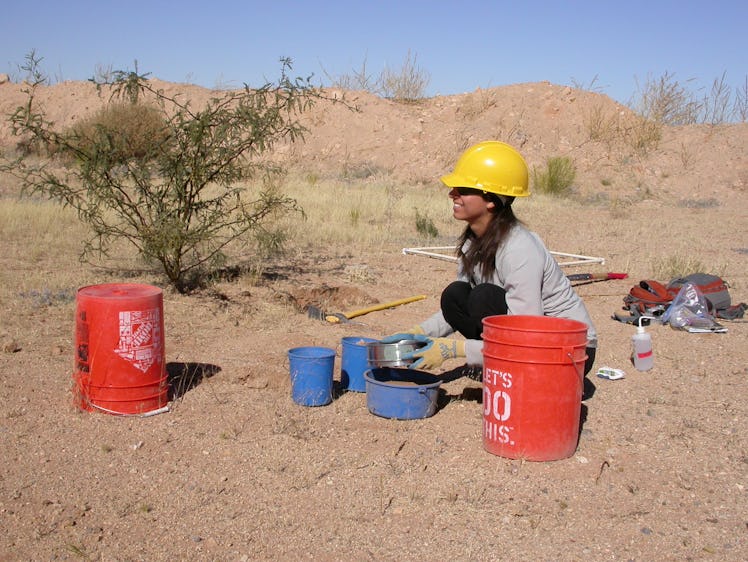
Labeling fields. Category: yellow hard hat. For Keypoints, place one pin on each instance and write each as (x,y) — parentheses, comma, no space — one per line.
(491,166)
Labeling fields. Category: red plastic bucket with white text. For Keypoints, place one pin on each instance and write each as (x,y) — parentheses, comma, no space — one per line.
(119,349)
(533,368)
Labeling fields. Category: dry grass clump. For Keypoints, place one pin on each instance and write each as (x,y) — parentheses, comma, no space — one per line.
(665,100)
(661,102)
(477,103)
(643,135)
(617,129)
(668,101)
(640,133)
(679,265)
(407,83)
(602,126)
(127,131)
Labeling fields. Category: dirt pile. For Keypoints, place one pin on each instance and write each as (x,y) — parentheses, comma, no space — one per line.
(417,142)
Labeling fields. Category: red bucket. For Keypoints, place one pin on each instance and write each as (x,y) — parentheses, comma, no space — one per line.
(533,368)
(120,365)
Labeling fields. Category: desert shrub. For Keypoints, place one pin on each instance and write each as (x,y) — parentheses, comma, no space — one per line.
(125,85)
(357,79)
(642,134)
(123,131)
(740,104)
(407,83)
(557,177)
(639,132)
(666,101)
(716,106)
(180,201)
(602,126)
(362,170)
(477,103)
(425,226)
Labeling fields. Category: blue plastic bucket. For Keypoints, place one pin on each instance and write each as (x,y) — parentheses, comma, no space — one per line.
(354,363)
(311,375)
(402,394)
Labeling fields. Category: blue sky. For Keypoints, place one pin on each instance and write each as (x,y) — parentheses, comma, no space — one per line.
(611,47)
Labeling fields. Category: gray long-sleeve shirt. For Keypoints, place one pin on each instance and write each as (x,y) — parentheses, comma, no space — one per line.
(534,285)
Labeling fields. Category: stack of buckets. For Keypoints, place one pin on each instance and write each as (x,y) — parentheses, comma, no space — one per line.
(312,369)
(533,370)
(119,349)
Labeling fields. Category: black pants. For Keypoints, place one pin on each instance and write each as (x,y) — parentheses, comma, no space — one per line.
(464,308)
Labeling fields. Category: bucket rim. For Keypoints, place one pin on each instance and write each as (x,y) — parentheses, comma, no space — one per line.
(435,382)
(354,339)
(506,321)
(119,290)
(311,352)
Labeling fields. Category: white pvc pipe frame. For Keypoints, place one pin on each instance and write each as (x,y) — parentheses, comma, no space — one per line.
(435,252)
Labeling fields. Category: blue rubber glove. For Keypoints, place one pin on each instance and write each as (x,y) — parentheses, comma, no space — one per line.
(435,353)
(415,333)
(394,338)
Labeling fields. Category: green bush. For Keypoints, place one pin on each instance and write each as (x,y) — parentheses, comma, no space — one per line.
(557,177)
(167,178)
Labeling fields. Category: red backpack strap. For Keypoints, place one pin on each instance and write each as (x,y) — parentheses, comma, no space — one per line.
(647,294)
(652,291)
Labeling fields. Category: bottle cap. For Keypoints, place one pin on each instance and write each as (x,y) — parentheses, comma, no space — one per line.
(642,323)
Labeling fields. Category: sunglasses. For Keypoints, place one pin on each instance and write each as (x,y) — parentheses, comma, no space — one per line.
(469,191)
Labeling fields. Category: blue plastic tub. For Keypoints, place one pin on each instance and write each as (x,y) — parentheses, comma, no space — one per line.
(402,394)
(354,363)
(312,371)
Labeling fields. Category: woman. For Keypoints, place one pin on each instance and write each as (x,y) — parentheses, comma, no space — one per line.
(503,267)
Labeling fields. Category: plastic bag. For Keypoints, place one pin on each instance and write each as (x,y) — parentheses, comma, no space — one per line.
(690,311)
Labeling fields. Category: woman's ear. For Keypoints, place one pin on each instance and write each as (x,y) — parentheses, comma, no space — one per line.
(494,203)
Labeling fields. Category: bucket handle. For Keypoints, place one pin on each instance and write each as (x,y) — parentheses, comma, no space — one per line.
(580,371)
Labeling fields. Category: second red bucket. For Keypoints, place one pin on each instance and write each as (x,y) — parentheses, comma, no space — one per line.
(119,340)
(533,368)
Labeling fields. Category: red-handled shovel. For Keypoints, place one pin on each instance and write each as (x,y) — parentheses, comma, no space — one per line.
(596,276)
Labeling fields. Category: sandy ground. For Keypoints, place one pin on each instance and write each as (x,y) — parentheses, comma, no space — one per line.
(237,471)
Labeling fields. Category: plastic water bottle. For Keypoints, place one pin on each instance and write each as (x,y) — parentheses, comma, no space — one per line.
(642,343)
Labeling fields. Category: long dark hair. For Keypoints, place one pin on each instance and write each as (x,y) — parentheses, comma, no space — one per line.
(483,250)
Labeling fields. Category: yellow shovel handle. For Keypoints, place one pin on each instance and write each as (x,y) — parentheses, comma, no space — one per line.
(376,307)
